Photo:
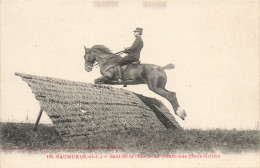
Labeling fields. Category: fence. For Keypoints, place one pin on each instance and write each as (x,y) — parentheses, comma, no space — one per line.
(81,109)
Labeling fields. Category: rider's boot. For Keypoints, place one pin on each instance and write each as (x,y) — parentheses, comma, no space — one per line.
(120,75)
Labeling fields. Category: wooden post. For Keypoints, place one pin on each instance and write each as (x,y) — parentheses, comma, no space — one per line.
(38,119)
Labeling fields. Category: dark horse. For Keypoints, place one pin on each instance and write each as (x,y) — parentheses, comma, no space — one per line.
(152,75)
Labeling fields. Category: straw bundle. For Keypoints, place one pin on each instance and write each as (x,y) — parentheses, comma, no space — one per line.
(81,109)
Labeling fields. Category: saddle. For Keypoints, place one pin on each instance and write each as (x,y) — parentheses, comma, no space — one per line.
(123,69)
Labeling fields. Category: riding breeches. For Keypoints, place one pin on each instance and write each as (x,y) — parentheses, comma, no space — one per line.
(127,60)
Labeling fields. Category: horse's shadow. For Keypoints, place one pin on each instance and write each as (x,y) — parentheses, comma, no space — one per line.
(152,103)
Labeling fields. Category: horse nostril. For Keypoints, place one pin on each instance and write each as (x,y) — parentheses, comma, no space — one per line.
(88,69)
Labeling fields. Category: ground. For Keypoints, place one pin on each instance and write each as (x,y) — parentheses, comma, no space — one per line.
(21,135)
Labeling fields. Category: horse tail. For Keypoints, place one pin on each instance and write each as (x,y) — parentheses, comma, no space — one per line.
(169,66)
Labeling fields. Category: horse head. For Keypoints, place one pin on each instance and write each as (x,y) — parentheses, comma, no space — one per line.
(96,53)
(90,59)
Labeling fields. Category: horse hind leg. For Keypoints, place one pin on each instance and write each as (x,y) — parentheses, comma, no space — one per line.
(179,111)
(157,85)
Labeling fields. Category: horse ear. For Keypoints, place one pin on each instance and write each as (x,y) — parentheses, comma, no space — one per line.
(86,49)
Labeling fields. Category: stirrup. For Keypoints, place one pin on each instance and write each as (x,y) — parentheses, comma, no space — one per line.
(120,80)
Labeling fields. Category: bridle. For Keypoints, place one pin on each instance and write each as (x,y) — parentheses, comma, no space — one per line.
(87,60)
(97,64)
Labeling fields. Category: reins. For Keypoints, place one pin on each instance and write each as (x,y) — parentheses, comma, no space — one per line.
(97,64)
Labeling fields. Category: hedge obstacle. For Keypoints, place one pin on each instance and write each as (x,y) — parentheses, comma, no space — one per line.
(81,109)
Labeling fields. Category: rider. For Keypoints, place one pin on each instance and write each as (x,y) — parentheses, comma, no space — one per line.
(133,52)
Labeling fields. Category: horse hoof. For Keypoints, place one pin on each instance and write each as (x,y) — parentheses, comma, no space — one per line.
(181,113)
(99,83)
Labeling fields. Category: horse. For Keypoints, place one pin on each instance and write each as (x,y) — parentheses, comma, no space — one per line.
(133,74)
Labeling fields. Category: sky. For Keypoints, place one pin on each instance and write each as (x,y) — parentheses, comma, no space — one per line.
(213,45)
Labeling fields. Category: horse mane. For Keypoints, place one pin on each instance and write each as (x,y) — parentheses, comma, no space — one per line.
(101,48)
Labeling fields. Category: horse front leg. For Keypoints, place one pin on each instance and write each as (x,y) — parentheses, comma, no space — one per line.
(101,80)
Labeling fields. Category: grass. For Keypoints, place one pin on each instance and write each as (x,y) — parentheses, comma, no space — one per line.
(20,135)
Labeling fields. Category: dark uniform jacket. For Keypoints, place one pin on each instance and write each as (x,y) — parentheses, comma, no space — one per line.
(136,48)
